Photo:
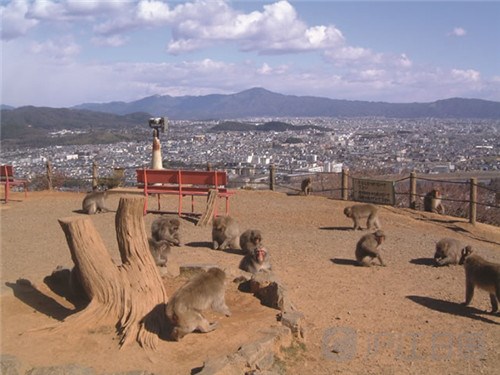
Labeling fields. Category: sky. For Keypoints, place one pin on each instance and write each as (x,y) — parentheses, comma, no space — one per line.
(65,53)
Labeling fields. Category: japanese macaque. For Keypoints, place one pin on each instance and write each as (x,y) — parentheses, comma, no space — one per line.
(160,250)
(306,186)
(225,233)
(257,260)
(361,211)
(368,248)
(185,306)
(481,273)
(250,240)
(432,202)
(94,202)
(448,251)
(166,228)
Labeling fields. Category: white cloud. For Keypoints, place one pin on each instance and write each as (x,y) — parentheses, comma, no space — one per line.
(60,50)
(458,31)
(469,75)
(15,22)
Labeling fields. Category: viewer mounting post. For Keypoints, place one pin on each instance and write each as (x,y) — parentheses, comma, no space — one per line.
(157,123)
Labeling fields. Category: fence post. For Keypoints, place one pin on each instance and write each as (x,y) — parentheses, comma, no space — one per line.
(94,175)
(49,175)
(473,200)
(272,176)
(209,166)
(345,183)
(413,190)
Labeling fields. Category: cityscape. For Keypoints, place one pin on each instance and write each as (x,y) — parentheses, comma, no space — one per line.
(370,145)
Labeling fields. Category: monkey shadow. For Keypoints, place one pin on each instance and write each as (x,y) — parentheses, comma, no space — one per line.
(199,244)
(294,194)
(25,291)
(452,308)
(157,322)
(344,262)
(337,228)
(424,262)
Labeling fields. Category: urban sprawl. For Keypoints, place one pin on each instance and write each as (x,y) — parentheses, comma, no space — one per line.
(389,146)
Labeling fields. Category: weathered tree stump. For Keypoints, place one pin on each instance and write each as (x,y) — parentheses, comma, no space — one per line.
(130,295)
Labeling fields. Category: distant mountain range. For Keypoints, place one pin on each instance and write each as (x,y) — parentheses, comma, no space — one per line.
(258,102)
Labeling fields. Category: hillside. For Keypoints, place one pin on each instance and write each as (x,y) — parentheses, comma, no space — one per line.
(258,102)
(405,318)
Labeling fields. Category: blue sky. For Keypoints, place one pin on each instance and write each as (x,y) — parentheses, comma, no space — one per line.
(63,53)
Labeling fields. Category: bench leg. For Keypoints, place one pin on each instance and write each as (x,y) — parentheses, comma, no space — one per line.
(159,205)
(192,203)
(7,189)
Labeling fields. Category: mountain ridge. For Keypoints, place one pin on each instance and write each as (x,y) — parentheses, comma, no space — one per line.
(260,102)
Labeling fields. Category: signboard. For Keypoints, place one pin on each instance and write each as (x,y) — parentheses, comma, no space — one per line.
(373,191)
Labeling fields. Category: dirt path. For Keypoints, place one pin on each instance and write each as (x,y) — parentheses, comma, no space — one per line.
(404,318)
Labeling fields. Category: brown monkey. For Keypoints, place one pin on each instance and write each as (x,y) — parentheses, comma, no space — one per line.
(448,251)
(257,260)
(166,228)
(368,248)
(306,186)
(225,233)
(360,211)
(432,202)
(160,250)
(94,202)
(481,273)
(184,308)
(250,240)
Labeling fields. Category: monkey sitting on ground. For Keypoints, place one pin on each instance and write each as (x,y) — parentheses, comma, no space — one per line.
(257,260)
(368,248)
(225,233)
(160,250)
(360,211)
(166,228)
(94,202)
(250,240)
(432,202)
(203,291)
(483,274)
(306,186)
(448,251)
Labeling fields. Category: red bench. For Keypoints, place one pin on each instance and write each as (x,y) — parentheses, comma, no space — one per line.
(182,183)
(7,179)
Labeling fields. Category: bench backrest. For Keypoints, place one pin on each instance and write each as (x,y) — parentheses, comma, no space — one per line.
(6,172)
(181,177)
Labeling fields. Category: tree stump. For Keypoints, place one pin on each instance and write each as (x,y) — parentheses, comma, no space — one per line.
(131,295)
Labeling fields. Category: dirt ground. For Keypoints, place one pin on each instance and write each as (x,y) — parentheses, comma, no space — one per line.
(405,318)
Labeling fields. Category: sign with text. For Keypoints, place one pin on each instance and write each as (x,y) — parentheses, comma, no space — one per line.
(373,191)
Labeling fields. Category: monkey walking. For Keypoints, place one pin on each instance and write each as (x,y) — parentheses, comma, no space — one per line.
(448,251)
(257,260)
(166,228)
(225,233)
(483,274)
(432,202)
(306,186)
(361,211)
(250,240)
(203,291)
(94,202)
(368,248)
